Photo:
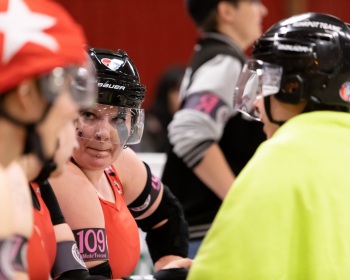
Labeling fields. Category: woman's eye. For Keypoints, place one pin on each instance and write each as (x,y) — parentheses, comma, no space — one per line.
(88,115)
(118,119)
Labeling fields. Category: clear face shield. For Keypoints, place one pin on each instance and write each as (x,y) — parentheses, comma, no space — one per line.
(111,124)
(257,78)
(78,80)
(137,126)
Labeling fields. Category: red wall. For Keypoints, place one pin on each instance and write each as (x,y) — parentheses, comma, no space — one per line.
(155,33)
(339,8)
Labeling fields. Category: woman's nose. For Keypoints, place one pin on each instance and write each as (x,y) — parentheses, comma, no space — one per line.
(103,132)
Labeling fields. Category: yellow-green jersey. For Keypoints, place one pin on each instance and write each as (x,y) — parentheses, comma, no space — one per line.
(287,215)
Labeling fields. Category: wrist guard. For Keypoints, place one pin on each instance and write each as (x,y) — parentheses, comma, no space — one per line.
(13,256)
(67,258)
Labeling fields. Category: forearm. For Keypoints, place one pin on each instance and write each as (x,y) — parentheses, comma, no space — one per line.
(164,261)
(214,171)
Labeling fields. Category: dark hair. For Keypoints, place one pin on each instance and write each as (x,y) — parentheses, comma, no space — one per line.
(203,12)
(210,23)
(169,80)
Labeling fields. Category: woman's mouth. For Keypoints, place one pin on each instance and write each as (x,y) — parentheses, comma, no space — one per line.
(97,152)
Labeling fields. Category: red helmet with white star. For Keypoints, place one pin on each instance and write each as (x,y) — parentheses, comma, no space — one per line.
(35,37)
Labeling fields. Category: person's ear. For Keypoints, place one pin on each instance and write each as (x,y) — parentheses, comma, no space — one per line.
(23,88)
(29,98)
(18,98)
(225,11)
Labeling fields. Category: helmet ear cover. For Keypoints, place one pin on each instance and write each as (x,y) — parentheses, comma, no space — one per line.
(292,89)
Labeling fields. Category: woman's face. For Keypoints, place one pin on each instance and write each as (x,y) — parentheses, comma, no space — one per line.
(102,133)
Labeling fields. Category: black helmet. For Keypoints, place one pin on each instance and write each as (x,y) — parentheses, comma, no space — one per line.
(118,79)
(313,51)
(199,10)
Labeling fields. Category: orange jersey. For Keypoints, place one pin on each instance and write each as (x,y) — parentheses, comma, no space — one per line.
(42,244)
(122,231)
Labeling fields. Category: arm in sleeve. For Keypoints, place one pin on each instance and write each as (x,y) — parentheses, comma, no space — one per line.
(207,105)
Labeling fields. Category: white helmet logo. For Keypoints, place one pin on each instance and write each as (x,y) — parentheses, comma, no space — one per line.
(112,64)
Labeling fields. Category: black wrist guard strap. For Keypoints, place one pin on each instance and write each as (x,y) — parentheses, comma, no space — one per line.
(67,258)
(171,274)
(170,238)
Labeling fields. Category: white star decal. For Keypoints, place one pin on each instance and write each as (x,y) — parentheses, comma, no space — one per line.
(20,25)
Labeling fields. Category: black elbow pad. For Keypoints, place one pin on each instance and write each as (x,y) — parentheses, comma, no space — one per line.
(170,238)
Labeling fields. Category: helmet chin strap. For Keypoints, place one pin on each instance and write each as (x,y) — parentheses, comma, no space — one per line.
(267,104)
(48,167)
(33,143)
